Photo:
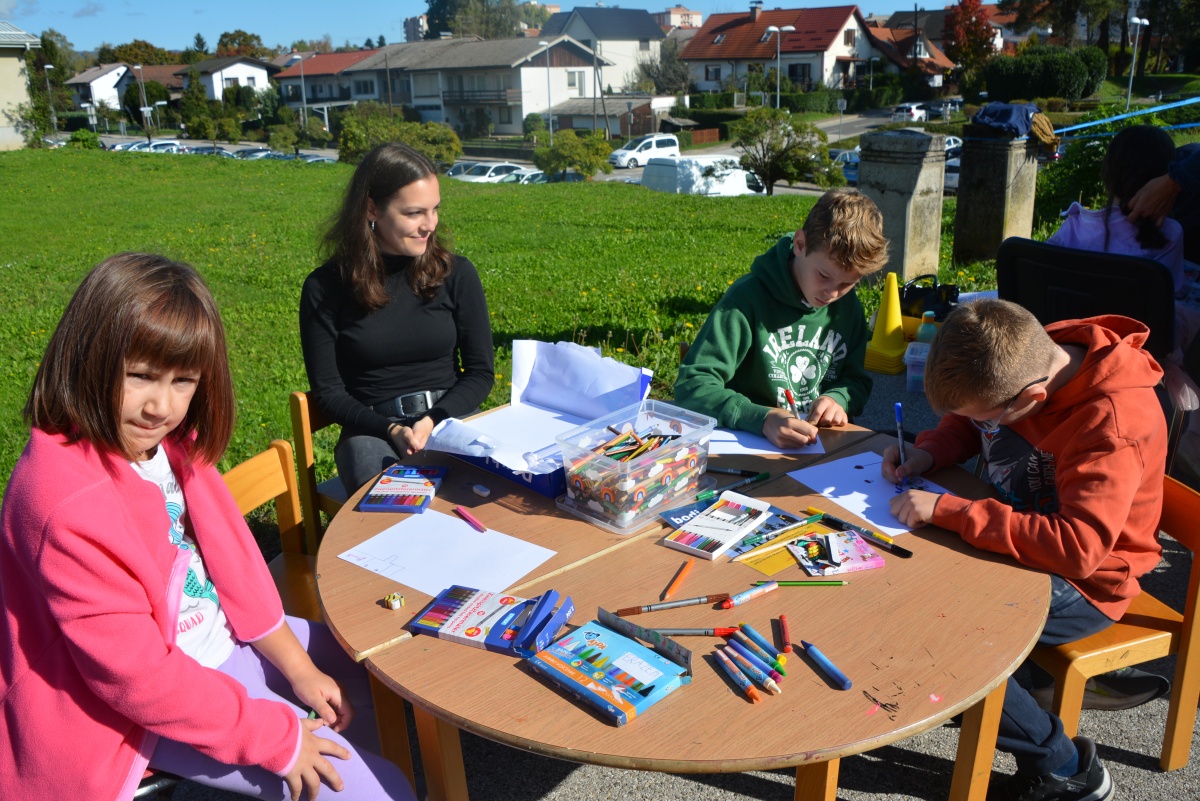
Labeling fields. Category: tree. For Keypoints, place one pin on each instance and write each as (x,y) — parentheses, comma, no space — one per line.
(1059,15)
(369,44)
(132,100)
(668,74)
(968,35)
(381,42)
(440,16)
(241,43)
(775,147)
(587,154)
(139,51)
(369,124)
(489,19)
(199,45)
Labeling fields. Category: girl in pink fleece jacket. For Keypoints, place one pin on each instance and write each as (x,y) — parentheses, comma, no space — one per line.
(138,622)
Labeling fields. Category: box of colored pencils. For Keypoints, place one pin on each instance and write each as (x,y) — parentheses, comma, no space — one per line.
(720,527)
(602,665)
(494,621)
(403,489)
(625,468)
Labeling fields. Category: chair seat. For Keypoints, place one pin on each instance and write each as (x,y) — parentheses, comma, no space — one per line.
(295,576)
(1144,632)
(332,491)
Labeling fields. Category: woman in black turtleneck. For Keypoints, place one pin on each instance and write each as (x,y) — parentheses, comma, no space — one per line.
(394,327)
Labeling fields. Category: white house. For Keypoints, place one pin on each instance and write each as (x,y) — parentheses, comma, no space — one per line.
(623,36)
(14,86)
(475,85)
(230,72)
(103,84)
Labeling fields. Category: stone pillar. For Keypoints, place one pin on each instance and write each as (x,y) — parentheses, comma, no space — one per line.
(996,185)
(903,171)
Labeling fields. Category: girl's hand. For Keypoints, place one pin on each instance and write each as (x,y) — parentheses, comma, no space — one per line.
(324,696)
(312,766)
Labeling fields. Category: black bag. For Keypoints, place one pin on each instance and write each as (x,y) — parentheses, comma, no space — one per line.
(916,300)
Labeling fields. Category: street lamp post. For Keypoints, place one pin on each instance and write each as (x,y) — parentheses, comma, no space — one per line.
(158,103)
(1140,23)
(549,102)
(142,90)
(50,99)
(779,32)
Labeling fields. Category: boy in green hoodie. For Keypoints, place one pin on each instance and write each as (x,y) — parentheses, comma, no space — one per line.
(792,323)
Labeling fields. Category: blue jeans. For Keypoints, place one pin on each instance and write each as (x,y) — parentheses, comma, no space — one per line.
(1028,732)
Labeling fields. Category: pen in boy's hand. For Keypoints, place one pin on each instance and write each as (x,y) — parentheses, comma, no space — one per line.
(900,439)
(791,399)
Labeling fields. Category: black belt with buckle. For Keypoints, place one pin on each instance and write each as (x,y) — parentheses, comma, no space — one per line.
(414,404)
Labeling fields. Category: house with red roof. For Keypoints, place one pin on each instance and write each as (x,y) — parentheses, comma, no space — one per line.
(831,46)
(319,81)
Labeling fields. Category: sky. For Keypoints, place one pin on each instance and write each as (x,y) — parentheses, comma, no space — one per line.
(174,24)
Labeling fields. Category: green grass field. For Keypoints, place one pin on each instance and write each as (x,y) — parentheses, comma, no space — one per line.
(607,264)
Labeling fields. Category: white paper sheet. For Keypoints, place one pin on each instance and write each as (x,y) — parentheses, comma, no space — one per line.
(555,387)
(727,442)
(432,551)
(857,485)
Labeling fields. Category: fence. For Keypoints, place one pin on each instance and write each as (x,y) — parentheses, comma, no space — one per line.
(706,136)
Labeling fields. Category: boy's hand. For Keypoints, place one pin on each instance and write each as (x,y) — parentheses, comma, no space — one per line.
(785,430)
(915,507)
(826,412)
(312,766)
(916,462)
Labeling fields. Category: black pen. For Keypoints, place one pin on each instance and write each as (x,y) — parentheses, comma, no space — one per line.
(874,538)
(731,471)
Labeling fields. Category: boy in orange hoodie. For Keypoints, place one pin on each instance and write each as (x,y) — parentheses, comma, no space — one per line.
(1069,425)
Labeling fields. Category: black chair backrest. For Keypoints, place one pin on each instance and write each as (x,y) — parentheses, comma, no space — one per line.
(1057,283)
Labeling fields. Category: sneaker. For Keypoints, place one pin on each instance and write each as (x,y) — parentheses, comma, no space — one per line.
(1117,689)
(1091,783)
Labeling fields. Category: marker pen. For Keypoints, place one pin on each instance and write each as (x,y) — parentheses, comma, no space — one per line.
(753,592)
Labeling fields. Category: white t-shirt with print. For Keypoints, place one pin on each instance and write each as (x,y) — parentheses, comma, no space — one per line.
(203,632)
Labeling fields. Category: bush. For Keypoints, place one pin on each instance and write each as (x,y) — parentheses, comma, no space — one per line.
(370,124)
(84,139)
(1054,104)
(202,128)
(283,138)
(1040,71)
(685,138)
(1097,66)
(229,130)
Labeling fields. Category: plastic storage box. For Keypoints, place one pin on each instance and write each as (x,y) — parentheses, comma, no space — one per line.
(915,358)
(620,496)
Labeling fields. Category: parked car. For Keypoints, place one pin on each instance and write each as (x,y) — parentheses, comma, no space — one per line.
(254,153)
(848,160)
(165,146)
(488,172)
(527,176)
(953,142)
(320,160)
(210,150)
(950,183)
(700,175)
(638,152)
(459,167)
(566,177)
(909,112)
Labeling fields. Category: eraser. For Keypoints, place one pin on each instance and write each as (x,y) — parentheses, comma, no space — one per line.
(394,600)
(481,490)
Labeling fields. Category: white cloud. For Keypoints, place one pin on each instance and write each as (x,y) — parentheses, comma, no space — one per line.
(89,9)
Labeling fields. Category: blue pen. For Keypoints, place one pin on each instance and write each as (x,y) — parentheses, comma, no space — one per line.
(763,643)
(831,670)
(900,438)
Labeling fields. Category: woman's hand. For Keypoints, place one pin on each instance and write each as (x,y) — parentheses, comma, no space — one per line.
(408,440)
(312,766)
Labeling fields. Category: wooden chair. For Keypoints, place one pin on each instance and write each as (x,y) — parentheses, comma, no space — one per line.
(271,476)
(326,496)
(1148,630)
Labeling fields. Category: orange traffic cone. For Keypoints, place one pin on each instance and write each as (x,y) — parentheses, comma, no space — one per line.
(885,351)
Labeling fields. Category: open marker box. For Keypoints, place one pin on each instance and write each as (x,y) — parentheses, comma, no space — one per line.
(621,492)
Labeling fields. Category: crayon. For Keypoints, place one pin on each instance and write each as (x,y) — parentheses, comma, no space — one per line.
(830,669)
(679,577)
(470,518)
(738,677)
(763,643)
(762,655)
(753,672)
(785,634)
(753,659)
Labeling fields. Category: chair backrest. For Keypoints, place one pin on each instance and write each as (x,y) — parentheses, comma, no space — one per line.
(271,476)
(1057,283)
(1181,510)
(307,418)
